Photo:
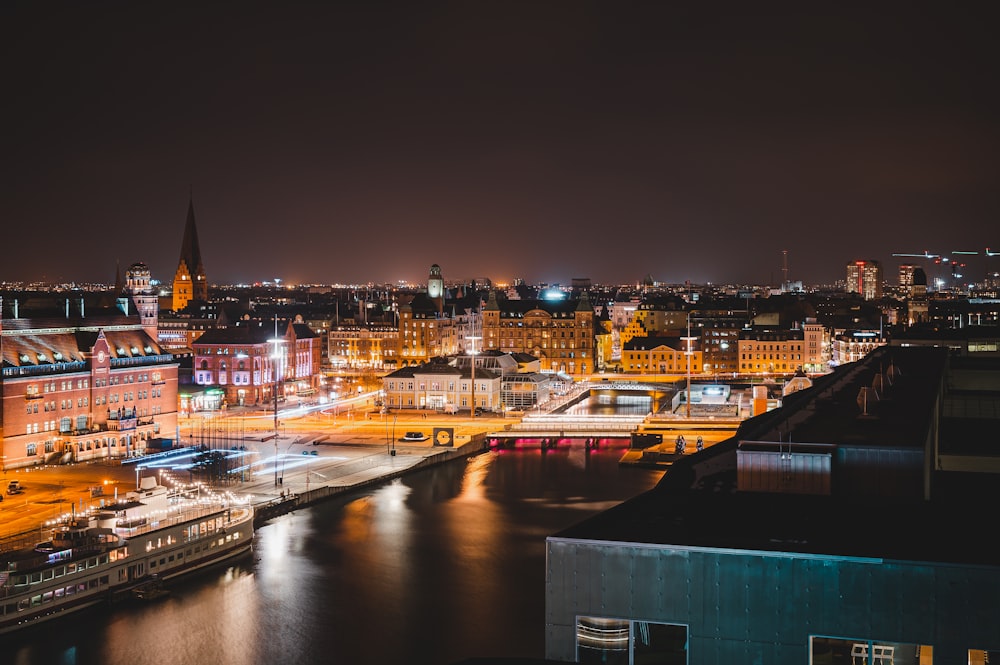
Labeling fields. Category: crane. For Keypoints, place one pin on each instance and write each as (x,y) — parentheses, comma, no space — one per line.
(925,255)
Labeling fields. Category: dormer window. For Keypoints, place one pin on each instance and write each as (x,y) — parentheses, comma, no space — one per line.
(134,350)
(147,348)
(120,351)
(41,357)
(57,356)
(24,358)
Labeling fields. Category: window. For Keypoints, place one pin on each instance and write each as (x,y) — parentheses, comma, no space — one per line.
(621,642)
(864,651)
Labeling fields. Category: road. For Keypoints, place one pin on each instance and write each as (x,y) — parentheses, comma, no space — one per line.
(273,465)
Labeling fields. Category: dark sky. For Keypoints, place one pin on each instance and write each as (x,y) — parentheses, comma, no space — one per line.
(363,141)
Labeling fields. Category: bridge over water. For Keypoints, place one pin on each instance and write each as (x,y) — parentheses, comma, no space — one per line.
(617,409)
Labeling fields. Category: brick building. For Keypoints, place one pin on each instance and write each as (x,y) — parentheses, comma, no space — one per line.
(81,380)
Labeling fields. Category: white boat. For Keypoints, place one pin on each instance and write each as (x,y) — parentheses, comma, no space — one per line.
(154,534)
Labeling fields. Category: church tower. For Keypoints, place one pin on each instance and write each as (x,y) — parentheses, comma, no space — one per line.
(189,280)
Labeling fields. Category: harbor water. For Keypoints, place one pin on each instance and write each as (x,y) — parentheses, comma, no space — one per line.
(441,565)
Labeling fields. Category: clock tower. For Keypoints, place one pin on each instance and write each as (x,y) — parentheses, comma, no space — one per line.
(435,287)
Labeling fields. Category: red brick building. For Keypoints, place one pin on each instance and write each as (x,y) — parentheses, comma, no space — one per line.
(243,362)
(81,381)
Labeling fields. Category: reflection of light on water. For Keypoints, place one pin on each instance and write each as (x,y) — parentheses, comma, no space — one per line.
(393,496)
(623,405)
(278,541)
(575,504)
(474,480)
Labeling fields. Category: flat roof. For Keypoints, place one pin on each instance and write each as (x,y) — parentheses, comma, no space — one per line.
(697,504)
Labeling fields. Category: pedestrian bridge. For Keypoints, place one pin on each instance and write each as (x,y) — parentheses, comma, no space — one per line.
(570,426)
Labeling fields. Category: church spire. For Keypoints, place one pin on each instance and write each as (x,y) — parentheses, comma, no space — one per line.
(189,281)
(190,249)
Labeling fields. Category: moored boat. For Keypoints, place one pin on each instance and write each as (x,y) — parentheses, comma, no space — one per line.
(154,534)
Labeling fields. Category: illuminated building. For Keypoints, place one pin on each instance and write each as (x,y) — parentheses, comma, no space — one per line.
(439,384)
(356,345)
(190,282)
(659,355)
(82,380)
(242,363)
(430,329)
(865,279)
(766,350)
(851,345)
(560,333)
(844,527)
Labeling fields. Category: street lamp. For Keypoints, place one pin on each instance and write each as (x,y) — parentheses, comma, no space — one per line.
(472,356)
(275,367)
(687,353)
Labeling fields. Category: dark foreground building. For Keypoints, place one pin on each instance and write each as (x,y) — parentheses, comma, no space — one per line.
(854,524)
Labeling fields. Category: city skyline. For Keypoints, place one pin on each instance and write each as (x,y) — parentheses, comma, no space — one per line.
(542,141)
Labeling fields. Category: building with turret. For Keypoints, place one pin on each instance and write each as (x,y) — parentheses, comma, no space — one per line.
(82,380)
(560,333)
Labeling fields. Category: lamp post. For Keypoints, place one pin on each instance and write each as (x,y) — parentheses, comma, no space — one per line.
(472,357)
(687,353)
(275,367)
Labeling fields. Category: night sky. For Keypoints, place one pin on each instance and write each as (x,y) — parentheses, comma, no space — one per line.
(364,141)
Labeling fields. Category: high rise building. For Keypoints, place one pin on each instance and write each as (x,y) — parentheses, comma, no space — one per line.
(865,278)
(189,280)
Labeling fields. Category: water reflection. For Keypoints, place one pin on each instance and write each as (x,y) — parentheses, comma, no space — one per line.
(620,404)
(436,567)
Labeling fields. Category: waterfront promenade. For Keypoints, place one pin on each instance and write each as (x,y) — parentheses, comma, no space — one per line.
(310,460)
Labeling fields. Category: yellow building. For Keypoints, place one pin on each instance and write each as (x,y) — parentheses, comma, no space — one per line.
(661,355)
(652,319)
(771,351)
(356,345)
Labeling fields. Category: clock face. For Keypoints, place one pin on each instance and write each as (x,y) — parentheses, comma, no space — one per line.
(100,356)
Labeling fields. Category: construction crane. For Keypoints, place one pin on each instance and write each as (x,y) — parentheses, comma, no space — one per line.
(925,255)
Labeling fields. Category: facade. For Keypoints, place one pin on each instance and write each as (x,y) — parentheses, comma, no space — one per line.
(561,334)
(362,345)
(441,385)
(249,364)
(661,355)
(502,383)
(816,347)
(766,350)
(850,346)
(190,282)
(654,319)
(865,278)
(431,326)
(820,533)
(81,381)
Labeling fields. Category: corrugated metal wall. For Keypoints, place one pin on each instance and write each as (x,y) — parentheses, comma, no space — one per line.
(757,608)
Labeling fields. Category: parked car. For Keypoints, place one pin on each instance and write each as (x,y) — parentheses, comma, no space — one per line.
(14,487)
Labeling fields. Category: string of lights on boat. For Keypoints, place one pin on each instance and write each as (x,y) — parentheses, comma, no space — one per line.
(183,497)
